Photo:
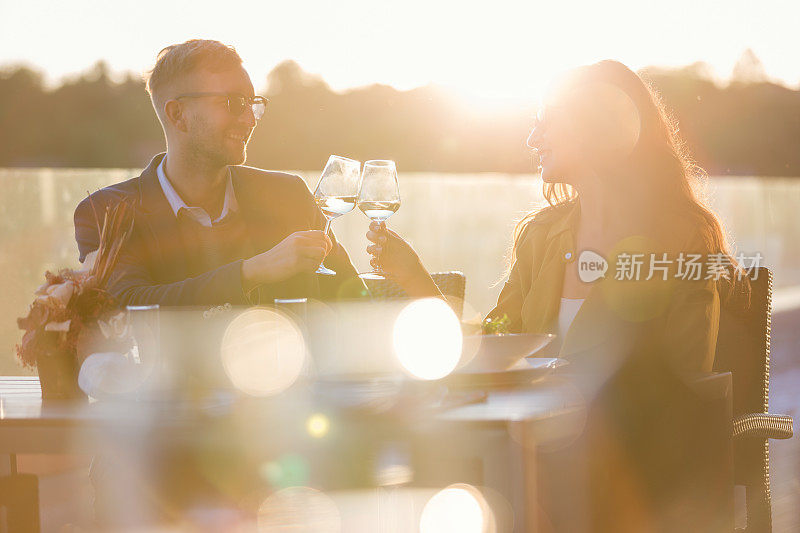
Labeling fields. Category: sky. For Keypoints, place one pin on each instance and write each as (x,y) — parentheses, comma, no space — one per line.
(490,50)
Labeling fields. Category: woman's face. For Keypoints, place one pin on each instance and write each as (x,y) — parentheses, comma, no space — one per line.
(586,133)
(555,138)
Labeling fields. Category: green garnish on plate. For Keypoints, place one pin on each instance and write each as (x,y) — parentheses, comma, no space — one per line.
(496,325)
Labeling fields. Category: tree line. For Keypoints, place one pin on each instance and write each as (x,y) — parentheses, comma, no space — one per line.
(749,126)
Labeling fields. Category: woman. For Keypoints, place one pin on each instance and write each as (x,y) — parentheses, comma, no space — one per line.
(619,183)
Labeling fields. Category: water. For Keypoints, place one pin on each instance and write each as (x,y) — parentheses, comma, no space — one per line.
(455,222)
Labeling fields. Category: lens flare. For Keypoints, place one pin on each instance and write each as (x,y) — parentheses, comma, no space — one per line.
(427,339)
(318,425)
(289,470)
(262,352)
(299,509)
(459,507)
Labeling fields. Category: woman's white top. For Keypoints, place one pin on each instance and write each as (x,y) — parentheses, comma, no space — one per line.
(566,314)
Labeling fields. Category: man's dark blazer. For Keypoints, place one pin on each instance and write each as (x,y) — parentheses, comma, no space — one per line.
(152,267)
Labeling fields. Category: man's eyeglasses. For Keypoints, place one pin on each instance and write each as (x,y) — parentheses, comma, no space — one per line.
(236,103)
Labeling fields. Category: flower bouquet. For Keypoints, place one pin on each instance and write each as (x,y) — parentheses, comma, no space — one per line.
(71,305)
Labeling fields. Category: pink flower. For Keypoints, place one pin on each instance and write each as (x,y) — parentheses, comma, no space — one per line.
(58,295)
(58,326)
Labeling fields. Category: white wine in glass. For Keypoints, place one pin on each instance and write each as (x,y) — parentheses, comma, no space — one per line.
(379,197)
(337,193)
(379,211)
(336,206)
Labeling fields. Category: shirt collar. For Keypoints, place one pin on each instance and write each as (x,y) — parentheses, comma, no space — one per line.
(198,213)
(568,221)
(563,230)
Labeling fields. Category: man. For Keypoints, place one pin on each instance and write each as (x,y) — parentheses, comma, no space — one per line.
(207,230)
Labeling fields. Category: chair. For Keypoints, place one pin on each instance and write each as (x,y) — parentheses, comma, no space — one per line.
(19,495)
(452,284)
(743,348)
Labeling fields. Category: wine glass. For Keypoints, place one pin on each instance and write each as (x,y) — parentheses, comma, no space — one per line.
(379,198)
(337,192)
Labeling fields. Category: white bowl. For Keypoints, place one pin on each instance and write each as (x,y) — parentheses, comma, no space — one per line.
(498,353)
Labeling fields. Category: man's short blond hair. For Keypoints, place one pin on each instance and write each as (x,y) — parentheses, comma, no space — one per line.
(178,60)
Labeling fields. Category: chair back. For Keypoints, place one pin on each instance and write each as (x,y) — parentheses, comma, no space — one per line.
(452,284)
(743,348)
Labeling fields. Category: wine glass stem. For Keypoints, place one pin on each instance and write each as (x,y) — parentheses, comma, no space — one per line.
(328,221)
(377,268)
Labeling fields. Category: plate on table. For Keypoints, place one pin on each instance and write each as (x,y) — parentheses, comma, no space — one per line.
(524,372)
(498,353)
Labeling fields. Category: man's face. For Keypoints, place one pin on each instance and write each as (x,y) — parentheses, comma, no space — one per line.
(213,132)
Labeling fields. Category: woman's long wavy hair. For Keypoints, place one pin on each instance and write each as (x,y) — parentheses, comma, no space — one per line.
(674,183)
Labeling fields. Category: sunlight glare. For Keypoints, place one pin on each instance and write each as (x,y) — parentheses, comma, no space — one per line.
(459,507)
(427,339)
(299,509)
(318,425)
(262,352)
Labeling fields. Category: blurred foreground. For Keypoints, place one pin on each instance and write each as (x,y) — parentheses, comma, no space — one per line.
(358,417)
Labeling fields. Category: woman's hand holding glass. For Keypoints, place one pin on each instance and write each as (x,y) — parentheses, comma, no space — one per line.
(398,259)
(378,199)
